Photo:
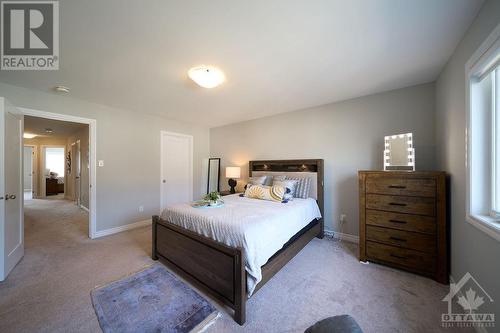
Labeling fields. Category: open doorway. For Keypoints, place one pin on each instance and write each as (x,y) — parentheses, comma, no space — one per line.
(56,154)
(54,171)
(27,134)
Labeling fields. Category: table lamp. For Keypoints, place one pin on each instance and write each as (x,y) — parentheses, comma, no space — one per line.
(232,172)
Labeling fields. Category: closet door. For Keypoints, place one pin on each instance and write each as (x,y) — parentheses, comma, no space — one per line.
(176,168)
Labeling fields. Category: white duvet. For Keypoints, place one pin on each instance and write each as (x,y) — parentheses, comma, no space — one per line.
(260,227)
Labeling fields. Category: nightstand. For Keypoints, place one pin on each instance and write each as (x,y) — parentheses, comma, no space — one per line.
(224,193)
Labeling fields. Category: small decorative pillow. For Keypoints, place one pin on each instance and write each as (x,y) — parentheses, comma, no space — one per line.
(290,185)
(269,181)
(257,180)
(303,187)
(271,193)
(260,180)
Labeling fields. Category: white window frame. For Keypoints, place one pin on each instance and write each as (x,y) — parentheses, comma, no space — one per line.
(486,58)
(495,151)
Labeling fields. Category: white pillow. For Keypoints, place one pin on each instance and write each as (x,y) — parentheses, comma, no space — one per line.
(279,177)
(259,180)
(268,181)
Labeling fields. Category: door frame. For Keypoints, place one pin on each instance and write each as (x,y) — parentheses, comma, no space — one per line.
(34,169)
(162,175)
(92,157)
(43,183)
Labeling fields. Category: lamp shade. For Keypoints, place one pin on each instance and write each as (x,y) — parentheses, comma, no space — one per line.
(233,172)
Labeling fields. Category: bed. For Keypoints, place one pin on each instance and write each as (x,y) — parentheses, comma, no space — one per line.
(231,252)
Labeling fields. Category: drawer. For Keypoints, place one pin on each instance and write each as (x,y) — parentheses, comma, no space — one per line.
(406,239)
(420,187)
(401,204)
(410,259)
(417,223)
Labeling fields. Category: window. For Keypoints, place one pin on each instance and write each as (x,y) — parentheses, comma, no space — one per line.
(495,105)
(483,136)
(54,160)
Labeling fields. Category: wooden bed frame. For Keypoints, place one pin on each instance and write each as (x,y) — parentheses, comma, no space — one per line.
(219,269)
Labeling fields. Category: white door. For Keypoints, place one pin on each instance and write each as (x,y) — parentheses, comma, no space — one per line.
(176,168)
(78,172)
(11,188)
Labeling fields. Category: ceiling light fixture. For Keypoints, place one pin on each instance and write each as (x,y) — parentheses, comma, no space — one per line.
(206,76)
(61,89)
(29,135)
(49,130)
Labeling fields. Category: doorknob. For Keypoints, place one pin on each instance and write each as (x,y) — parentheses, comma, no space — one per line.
(164,181)
(8,197)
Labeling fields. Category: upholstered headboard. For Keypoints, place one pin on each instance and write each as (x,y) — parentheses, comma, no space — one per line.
(294,168)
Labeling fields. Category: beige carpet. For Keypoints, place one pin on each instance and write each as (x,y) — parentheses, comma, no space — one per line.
(49,289)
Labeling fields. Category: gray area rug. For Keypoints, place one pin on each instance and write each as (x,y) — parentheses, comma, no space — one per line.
(152,300)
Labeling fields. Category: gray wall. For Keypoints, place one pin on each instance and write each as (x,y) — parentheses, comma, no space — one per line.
(348,135)
(129,144)
(471,250)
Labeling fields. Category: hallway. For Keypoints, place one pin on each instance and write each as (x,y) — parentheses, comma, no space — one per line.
(49,290)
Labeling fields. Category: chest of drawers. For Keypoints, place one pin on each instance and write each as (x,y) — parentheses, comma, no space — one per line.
(402,221)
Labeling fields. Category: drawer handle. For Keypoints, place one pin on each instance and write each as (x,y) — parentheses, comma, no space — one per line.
(397,186)
(398,221)
(397,239)
(396,256)
(397,204)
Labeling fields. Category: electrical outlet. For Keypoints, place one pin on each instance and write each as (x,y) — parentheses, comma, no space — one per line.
(100,163)
(141,208)
(343,218)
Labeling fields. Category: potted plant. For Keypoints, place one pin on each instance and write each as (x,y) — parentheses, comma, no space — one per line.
(213,198)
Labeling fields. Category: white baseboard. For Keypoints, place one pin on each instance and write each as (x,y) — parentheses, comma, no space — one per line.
(121,228)
(84,208)
(341,236)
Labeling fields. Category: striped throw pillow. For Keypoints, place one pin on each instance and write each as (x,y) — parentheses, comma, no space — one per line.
(303,187)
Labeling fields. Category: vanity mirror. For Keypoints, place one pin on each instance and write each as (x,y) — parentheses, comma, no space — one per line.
(399,153)
(213,175)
